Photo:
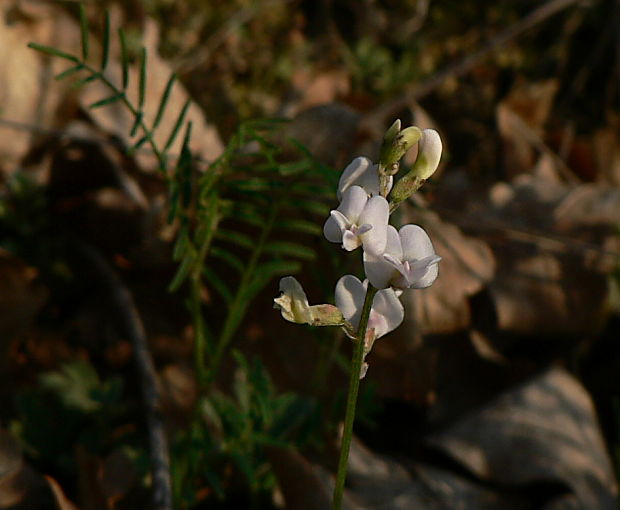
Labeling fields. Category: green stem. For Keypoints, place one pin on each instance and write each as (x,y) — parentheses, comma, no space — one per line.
(239,304)
(200,342)
(354,384)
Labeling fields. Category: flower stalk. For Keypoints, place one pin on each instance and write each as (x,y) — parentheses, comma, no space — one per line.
(354,384)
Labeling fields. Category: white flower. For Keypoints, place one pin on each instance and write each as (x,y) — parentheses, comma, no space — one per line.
(408,262)
(293,302)
(386,314)
(358,220)
(361,172)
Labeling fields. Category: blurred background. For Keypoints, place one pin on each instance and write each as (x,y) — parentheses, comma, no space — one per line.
(502,388)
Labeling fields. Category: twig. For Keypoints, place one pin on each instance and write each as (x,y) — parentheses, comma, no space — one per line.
(134,329)
(390,108)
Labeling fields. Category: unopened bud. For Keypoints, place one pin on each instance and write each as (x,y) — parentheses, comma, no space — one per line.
(392,131)
(429,155)
(393,150)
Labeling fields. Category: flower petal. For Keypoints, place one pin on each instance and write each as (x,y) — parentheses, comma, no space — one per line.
(353,174)
(393,245)
(350,240)
(335,226)
(353,202)
(375,213)
(388,306)
(350,295)
(415,242)
(424,272)
(377,269)
(292,302)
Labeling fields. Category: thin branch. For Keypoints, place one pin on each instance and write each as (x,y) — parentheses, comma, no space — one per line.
(133,327)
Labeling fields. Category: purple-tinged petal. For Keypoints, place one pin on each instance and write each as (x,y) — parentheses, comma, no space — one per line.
(387,305)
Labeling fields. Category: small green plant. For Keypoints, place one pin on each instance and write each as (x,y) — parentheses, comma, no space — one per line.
(234,430)
(235,220)
(75,406)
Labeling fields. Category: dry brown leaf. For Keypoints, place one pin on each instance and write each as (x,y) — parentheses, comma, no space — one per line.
(318,89)
(379,482)
(303,484)
(60,499)
(28,93)
(543,431)
(520,119)
(19,484)
(467,265)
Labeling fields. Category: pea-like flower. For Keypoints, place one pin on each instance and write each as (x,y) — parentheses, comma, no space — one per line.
(361,172)
(387,311)
(359,220)
(293,304)
(408,262)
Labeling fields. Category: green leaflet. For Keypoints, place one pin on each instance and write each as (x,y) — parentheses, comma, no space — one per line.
(290,249)
(299,225)
(53,51)
(108,100)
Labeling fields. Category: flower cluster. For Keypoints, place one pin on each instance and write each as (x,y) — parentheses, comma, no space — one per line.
(394,260)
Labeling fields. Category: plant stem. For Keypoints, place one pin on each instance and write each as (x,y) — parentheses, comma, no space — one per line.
(238,307)
(354,384)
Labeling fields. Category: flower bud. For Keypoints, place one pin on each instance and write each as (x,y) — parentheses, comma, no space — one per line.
(395,147)
(429,155)
(391,133)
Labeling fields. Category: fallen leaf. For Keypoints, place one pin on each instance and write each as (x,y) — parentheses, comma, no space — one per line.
(543,431)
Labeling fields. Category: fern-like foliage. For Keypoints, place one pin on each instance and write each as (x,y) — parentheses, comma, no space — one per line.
(243,214)
(119,92)
(252,215)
